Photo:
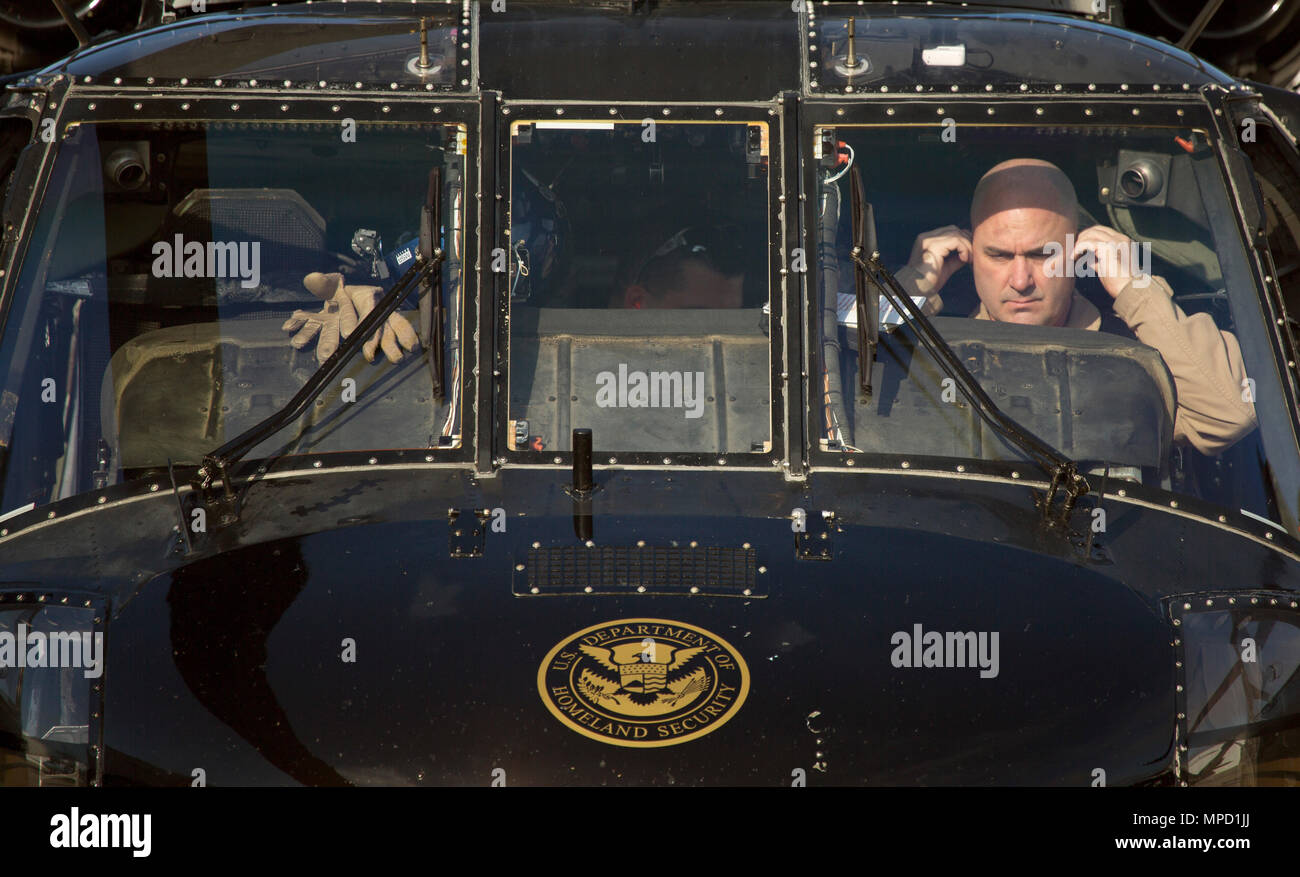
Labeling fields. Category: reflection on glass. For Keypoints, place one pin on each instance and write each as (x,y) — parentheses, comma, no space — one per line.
(1243,697)
(49,657)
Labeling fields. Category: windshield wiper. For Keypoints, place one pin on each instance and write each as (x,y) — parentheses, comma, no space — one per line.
(1064,472)
(216,464)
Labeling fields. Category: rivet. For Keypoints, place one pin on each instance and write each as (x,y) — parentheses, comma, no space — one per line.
(640,589)
(534,590)
(587,589)
(136,106)
(559,111)
(428,458)
(556,460)
(1187,605)
(117,80)
(1209,602)
(1232,601)
(284,108)
(990,111)
(666,111)
(747,592)
(519,567)
(316,464)
(321,84)
(218,82)
(1180,112)
(1254,600)
(1038,111)
(722,461)
(357,84)
(90,106)
(1122,492)
(695,544)
(762,570)
(1173,503)
(1056,87)
(153,488)
(694,589)
(1024,87)
(988,87)
(335,108)
(1087,111)
(889,111)
(1136,111)
(848,462)
(961,467)
(1123,86)
(393,86)
(668,461)
(613,460)
(1223,519)
(287,83)
(234,106)
(1269,535)
(373,461)
(1092,86)
(640,543)
(590,543)
(905,464)
(718,111)
(1015,474)
(253,83)
(103,499)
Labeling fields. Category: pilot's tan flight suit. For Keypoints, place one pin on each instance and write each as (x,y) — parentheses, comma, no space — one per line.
(1214,407)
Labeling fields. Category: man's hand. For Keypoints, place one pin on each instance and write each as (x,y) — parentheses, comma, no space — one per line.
(1114,256)
(937,254)
(345,307)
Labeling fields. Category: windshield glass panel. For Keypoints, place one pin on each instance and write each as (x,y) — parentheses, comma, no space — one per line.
(1092,280)
(185,280)
(639,286)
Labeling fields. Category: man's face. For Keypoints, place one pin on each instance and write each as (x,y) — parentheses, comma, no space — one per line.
(1010,255)
(701,286)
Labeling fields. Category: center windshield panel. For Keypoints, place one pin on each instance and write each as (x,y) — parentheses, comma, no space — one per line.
(185,280)
(1092,280)
(638,285)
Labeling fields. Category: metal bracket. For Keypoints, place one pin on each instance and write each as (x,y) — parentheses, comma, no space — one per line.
(816,542)
(467,531)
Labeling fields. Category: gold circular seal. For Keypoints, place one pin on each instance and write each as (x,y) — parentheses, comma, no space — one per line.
(643,682)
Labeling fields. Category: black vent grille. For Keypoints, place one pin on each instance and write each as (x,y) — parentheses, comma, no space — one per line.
(611,569)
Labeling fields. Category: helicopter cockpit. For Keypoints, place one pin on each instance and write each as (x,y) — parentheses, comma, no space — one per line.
(1105,395)
(639,301)
(178,258)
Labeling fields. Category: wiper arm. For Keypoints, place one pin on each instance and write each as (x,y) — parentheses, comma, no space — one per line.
(1064,472)
(431,311)
(868,306)
(216,464)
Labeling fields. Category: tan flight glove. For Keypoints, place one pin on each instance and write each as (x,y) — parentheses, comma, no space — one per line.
(345,307)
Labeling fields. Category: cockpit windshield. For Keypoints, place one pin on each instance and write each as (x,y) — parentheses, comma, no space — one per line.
(639,285)
(1093,281)
(185,279)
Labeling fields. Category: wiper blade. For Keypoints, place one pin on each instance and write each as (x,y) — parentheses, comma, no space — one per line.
(216,464)
(1064,472)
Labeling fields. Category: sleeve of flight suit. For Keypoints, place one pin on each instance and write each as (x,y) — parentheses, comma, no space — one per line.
(1209,375)
(915,284)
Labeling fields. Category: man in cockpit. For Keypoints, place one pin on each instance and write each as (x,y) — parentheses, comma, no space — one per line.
(697,267)
(1023,214)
